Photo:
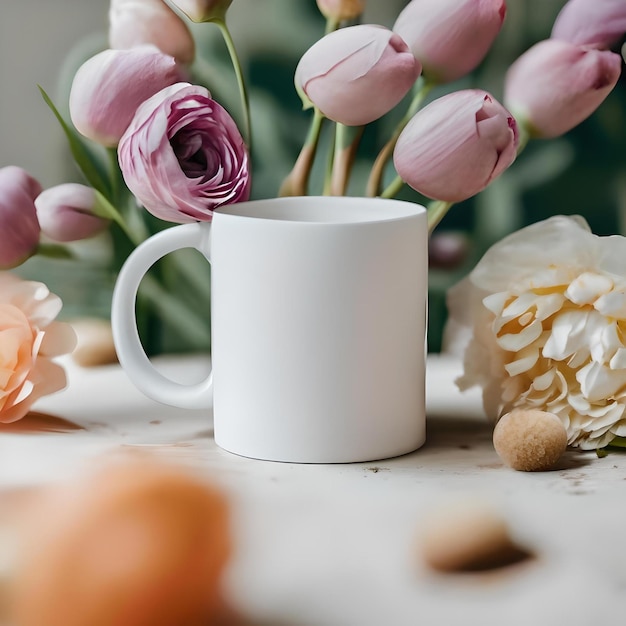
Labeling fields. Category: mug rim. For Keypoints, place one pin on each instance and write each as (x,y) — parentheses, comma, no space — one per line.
(350,210)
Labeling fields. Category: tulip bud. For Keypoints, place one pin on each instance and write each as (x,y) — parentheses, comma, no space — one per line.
(450,37)
(109,87)
(454,147)
(341,10)
(555,85)
(595,23)
(203,10)
(18,218)
(136,22)
(66,212)
(355,75)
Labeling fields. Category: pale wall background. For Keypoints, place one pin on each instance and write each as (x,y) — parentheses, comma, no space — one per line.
(35,37)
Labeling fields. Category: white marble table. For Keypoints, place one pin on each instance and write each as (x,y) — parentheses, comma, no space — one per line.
(335,544)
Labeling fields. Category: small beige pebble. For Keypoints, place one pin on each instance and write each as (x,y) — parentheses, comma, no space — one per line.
(530,440)
(468,536)
(95,342)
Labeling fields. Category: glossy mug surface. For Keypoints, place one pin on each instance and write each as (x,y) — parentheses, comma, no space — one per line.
(318,310)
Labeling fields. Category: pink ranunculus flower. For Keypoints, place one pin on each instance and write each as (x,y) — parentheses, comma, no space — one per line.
(595,23)
(109,87)
(183,156)
(455,146)
(66,212)
(18,218)
(357,74)
(136,22)
(29,339)
(203,10)
(450,37)
(555,85)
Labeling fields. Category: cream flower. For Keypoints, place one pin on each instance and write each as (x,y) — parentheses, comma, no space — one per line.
(544,315)
(29,338)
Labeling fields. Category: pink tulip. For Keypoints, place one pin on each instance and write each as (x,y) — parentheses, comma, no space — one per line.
(183,156)
(454,147)
(450,37)
(341,10)
(203,10)
(595,23)
(136,22)
(109,87)
(555,85)
(357,74)
(18,219)
(65,212)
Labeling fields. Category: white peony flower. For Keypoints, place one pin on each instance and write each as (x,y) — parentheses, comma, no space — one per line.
(544,317)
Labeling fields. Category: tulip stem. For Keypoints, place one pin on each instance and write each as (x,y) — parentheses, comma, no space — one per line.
(378,169)
(243,93)
(297,181)
(347,140)
(436,211)
(524,137)
(332,24)
(393,188)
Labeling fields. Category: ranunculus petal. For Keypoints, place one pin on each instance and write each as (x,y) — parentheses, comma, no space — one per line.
(60,338)
(28,338)
(170,181)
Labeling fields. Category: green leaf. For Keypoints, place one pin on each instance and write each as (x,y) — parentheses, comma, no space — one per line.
(54,251)
(618,442)
(85,159)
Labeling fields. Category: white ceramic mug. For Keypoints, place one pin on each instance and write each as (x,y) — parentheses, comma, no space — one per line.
(318,309)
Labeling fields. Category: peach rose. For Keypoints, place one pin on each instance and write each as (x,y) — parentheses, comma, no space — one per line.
(29,338)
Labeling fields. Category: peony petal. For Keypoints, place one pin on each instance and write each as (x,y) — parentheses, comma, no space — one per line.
(612,304)
(516,341)
(598,382)
(619,428)
(587,287)
(521,365)
(618,360)
(548,305)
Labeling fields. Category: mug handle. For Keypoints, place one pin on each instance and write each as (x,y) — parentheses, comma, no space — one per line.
(130,352)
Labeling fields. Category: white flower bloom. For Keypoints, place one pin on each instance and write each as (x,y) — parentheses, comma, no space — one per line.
(544,312)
